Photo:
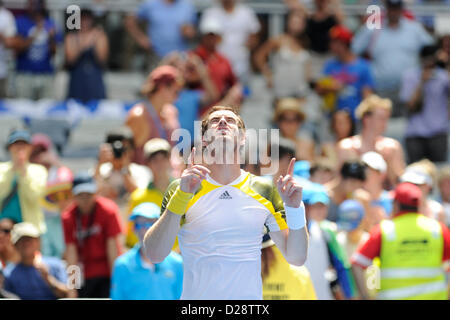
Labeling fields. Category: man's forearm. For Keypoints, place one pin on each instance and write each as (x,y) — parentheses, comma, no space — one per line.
(58,288)
(159,240)
(297,246)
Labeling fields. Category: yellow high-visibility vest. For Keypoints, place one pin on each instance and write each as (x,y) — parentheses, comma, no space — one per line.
(411,259)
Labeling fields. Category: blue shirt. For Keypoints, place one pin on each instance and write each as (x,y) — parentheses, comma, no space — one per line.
(392,50)
(27,282)
(164,23)
(131,280)
(432,119)
(188,105)
(37,58)
(355,76)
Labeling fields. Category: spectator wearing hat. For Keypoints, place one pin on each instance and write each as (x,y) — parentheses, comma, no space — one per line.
(57,196)
(375,176)
(374,113)
(8,253)
(350,231)
(35,277)
(351,77)
(290,74)
(135,277)
(92,229)
(393,48)
(22,184)
(289,117)
(228,88)
(281,280)
(240,27)
(327,261)
(412,248)
(423,174)
(155,117)
(322,171)
(170,25)
(444,191)
(425,92)
(157,153)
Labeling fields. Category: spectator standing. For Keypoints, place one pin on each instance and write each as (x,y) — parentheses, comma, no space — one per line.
(37,38)
(326,15)
(170,25)
(35,277)
(57,195)
(290,72)
(91,229)
(220,71)
(444,192)
(425,93)
(135,277)
(281,280)
(410,269)
(240,26)
(8,254)
(86,53)
(289,117)
(7,32)
(155,117)
(22,184)
(374,113)
(157,154)
(375,176)
(351,77)
(393,49)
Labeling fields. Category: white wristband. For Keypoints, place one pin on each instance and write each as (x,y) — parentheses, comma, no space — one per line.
(295,217)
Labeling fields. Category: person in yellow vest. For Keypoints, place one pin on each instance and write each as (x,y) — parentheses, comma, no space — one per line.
(281,280)
(157,155)
(414,253)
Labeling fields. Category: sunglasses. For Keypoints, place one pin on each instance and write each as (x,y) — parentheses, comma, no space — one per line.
(5,230)
(286,119)
(146,225)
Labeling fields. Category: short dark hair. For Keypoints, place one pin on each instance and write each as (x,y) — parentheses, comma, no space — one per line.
(428,51)
(285,148)
(353,169)
(405,207)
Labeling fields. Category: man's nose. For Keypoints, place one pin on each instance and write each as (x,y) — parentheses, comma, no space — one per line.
(222,121)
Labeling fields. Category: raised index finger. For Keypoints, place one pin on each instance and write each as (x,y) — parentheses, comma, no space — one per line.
(290,170)
(191,158)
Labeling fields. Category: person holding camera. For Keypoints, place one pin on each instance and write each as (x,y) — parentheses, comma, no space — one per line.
(425,93)
(117,177)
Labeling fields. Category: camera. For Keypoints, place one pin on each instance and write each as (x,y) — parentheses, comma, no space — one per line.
(118,149)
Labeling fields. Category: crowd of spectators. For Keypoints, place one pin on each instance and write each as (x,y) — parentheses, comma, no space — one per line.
(334,92)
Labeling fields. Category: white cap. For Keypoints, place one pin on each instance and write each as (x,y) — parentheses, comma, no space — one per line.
(375,161)
(211,26)
(415,176)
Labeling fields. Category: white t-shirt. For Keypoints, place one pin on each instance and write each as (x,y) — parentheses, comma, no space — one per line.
(237,26)
(7,29)
(221,234)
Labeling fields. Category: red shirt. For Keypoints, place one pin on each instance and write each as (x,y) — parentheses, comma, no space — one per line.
(92,250)
(370,249)
(219,68)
